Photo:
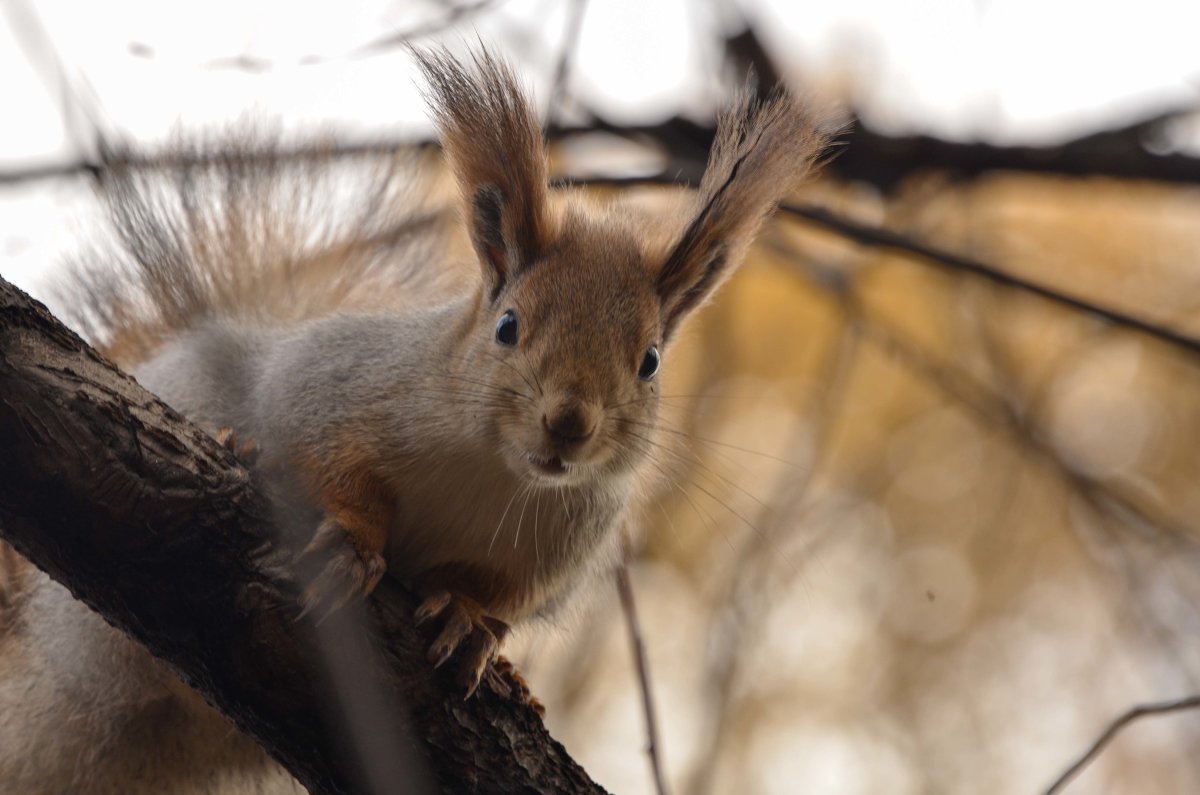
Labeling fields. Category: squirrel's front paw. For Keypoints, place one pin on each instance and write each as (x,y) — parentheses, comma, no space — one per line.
(465,629)
(348,569)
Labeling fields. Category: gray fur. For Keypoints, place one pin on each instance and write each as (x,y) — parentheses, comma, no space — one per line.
(296,387)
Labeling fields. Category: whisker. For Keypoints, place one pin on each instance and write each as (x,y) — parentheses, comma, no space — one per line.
(700,396)
(482,399)
(434,407)
(702,515)
(665,427)
(766,538)
(536,505)
(711,496)
(514,368)
(455,388)
(492,543)
(563,497)
(687,457)
(502,390)
(521,518)
(533,372)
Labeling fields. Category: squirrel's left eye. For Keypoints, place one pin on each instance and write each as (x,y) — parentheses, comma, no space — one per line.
(507,329)
(650,363)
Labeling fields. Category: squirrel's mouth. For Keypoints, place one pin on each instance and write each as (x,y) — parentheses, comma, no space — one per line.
(548,466)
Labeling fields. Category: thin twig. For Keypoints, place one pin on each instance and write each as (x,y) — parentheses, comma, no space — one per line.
(383,44)
(562,71)
(625,589)
(968,391)
(793,499)
(884,238)
(81,120)
(1140,711)
(455,14)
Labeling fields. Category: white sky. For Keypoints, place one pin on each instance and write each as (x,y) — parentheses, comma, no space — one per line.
(1007,70)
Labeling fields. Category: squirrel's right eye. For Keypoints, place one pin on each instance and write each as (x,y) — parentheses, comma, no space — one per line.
(507,328)
(650,363)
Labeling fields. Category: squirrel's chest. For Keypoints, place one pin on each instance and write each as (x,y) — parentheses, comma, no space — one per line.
(534,536)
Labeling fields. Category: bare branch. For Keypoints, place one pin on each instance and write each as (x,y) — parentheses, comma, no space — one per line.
(653,744)
(884,238)
(562,71)
(886,161)
(793,499)
(455,14)
(1135,713)
(388,42)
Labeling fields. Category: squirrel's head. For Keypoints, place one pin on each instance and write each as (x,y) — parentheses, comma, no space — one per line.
(578,306)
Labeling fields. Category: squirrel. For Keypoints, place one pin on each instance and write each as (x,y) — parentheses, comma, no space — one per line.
(412,440)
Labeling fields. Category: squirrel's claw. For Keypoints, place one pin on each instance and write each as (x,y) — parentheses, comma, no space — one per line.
(466,633)
(348,571)
(477,651)
(432,607)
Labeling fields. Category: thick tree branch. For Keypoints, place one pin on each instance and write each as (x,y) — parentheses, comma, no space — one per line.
(154,525)
(867,155)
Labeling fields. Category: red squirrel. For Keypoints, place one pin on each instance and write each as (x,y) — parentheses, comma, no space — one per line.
(483,449)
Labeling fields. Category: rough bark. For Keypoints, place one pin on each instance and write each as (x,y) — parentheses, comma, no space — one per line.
(161,530)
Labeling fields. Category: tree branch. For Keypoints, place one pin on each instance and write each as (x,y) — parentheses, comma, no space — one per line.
(885,161)
(876,237)
(653,744)
(1127,717)
(157,527)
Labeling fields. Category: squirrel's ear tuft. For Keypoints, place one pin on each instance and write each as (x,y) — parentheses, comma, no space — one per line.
(494,145)
(763,146)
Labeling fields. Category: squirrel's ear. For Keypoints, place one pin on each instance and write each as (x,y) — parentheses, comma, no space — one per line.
(762,147)
(494,145)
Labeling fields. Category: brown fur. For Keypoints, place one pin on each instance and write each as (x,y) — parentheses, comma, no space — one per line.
(494,146)
(345,484)
(762,148)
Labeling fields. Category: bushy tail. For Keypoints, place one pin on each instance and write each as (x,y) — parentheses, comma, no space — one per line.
(248,230)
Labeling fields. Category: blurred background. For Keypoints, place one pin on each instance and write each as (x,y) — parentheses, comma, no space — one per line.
(927,509)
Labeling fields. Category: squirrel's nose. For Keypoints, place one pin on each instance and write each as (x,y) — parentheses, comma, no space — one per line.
(569,425)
